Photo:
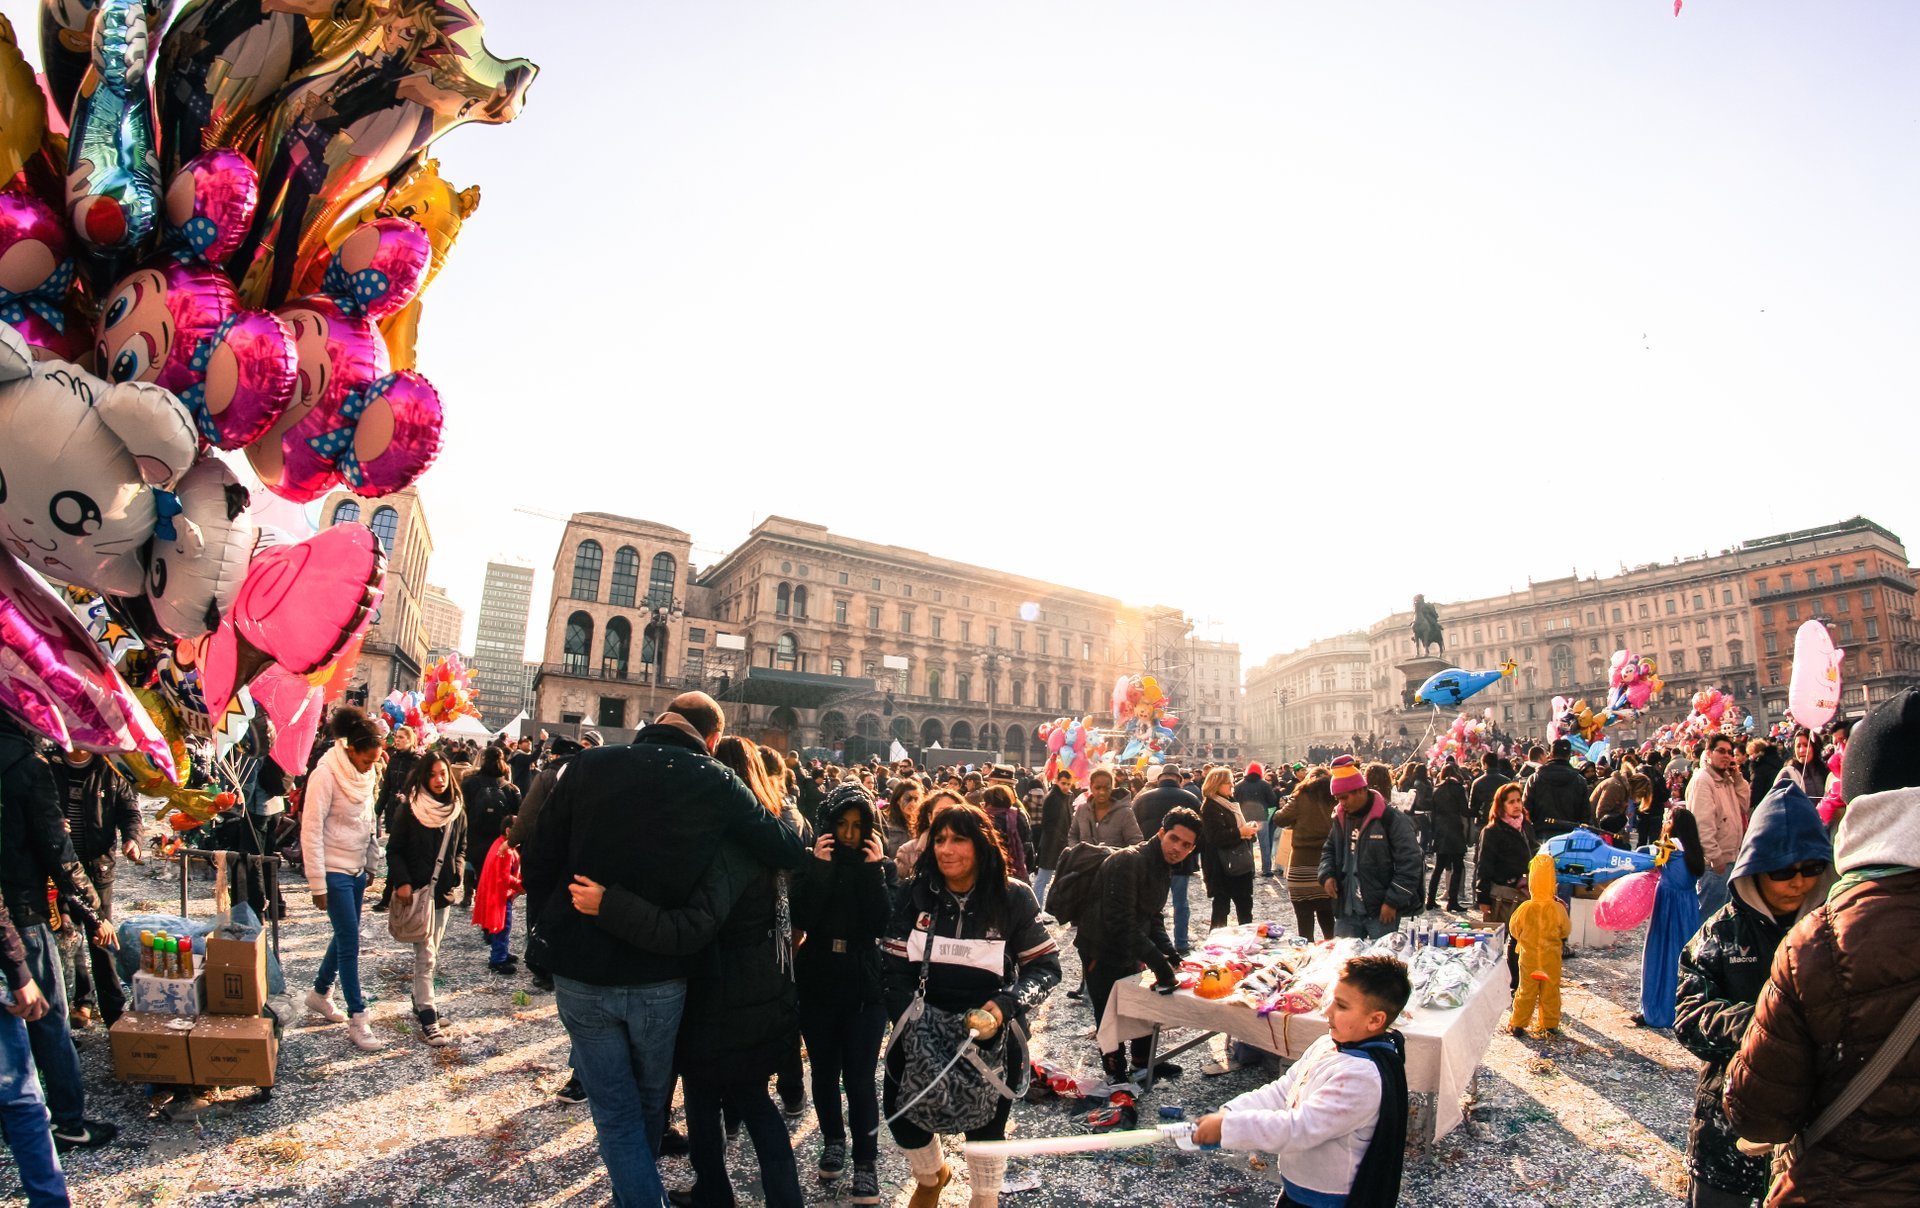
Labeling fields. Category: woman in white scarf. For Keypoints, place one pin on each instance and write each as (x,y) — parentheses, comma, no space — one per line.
(336,839)
(425,854)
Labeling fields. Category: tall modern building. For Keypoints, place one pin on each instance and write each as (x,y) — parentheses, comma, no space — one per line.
(500,676)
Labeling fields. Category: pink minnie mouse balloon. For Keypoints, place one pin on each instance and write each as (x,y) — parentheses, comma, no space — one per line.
(384,436)
(210,203)
(338,354)
(36,278)
(55,679)
(379,268)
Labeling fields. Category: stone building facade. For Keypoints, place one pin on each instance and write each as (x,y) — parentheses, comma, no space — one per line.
(395,649)
(1317,696)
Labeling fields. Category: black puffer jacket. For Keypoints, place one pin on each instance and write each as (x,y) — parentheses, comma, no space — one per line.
(1557,799)
(843,906)
(491,802)
(1379,866)
(1449,820)
(1124,924)
(393,785)
(1030,965)
(1056,815)
(412,848)
(1504,853)
(1150,810)
(33,838)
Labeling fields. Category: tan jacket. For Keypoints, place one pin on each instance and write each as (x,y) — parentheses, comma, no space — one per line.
(1720,808)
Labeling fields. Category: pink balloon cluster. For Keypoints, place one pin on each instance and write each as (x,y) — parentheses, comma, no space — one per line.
(1071,746)
(1465,740)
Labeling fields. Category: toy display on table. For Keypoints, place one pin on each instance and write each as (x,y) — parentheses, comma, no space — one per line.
(1447,689)
(1540,925)
(1140,717)
(1260,967)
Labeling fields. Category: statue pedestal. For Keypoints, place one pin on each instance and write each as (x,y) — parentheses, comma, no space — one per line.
(1418,670)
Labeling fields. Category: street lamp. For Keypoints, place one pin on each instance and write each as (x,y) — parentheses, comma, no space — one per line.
(993,681)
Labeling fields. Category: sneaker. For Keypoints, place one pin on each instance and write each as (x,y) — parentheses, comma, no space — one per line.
(80,1019)
(361,1036)
(323,1006)
(572,1092)
(795,1107)
(865,1185)
(431,1029)
(673,1143)
(833,1161)
(543,982)
(88,1134)
(503,969)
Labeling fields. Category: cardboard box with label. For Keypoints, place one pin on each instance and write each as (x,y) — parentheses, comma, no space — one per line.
(169,995)
(236,973)
(233,1050)
(152,1048)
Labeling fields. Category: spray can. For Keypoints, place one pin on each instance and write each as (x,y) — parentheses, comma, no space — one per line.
(169,957)
(146,952)
(186,955)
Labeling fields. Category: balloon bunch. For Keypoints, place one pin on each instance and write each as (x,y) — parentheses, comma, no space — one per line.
(1576,722)
(447,692)
(1071,746)
(403,709)
(1631,683)
(224,255)
(1713,713)
(1140,715)
(1464,741)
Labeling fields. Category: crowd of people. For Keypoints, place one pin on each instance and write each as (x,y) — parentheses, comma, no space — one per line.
(729,928)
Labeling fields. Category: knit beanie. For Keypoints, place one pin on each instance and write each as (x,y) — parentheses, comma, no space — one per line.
(1347,775)
(1885,750)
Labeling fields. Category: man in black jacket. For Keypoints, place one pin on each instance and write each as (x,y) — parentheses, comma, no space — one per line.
(1371,865)
(1056,815)
(1258,801)
(1149,809)
(1122,929)
(1557,795)
(648,817)
(102,816)
(33,848)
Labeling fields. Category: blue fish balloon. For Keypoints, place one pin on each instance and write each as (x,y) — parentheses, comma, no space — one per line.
(1456,684)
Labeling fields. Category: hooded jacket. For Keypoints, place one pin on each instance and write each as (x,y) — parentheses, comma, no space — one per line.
(1377,861)
(1539,926)
(1722,970)
(1556,799)
(842,905)
(33,838)
(1256,797)
(1840,983)
(1449,819)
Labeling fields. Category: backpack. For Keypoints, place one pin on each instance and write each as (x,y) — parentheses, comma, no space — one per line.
(1072,889)
(1012,826)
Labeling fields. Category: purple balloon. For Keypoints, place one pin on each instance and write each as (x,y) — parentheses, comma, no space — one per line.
(210,203)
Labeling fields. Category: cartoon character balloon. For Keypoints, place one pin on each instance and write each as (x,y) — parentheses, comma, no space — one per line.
(1631,683)
(86,466)
(113,166)
(199,556)
(37,297)
(1813,693)
(23,107)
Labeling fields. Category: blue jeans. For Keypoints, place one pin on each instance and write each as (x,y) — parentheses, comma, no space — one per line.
(1180,910)
(1040,878)
(346,891)
(497,953)
(23,1116)
(50,1035)
(623,1039)
(1713,892)
(1365,928)
(1268,836)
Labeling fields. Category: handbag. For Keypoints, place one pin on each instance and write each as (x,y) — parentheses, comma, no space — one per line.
(411,921)
(1895,1048)
(948,1081)
(1506,899)
(1238,859)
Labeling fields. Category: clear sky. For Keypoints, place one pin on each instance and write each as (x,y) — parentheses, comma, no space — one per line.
(1276,312)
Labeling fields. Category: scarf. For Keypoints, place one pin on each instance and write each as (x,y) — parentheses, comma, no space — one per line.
(1377,1181)
(432,812)
(1233,805)
(354,786)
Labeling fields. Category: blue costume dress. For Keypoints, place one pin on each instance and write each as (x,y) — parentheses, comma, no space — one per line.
(1676,916)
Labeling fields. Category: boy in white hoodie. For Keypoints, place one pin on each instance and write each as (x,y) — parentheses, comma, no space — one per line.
(1337,1120)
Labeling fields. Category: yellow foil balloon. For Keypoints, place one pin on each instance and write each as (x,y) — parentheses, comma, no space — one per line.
(23,107)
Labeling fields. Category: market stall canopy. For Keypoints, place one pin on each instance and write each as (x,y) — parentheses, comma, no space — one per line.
(794,689)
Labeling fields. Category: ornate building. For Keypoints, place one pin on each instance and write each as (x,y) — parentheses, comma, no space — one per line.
(620,643)
(395,650)
(1317,696)
(503,679)
(1211,710)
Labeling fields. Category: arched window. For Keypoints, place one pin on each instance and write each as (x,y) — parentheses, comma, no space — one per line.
(962,735)
(660,582)
(931,731)
(989,737)
(586,571)
(784,719)
(800,602)
(1735,653)
(346,512)
(933,684)
(386,526)
(579,647)
(868,726)
(783,600)
(836,666)
(902,729)
(963,684)
(833,729)
(1561,660)
(786,653)
(1016,741)
(613,650)
(626,577)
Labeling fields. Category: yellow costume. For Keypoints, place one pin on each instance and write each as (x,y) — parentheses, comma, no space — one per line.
(1539,927)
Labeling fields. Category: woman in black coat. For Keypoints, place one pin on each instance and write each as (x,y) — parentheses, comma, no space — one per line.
(842,904)
(1506,846)
(1450,821)
(424,854)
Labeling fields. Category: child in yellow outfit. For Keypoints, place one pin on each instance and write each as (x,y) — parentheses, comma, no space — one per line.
(1539,927)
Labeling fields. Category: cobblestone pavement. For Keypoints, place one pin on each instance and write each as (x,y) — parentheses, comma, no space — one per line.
(1597,1115)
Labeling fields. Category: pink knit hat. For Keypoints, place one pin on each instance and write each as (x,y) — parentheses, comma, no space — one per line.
(1347,775)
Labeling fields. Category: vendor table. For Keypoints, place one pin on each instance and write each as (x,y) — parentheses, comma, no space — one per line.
(1444,1047)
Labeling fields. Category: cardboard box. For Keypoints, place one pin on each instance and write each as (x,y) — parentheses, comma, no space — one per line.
(169,995)
(236,973)
(233,1050)
(152,1048)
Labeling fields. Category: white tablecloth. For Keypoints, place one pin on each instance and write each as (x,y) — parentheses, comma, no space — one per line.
(1444,1047)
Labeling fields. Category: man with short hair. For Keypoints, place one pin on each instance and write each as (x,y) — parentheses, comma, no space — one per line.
(1149,809)
(1485,785)
(645,819)
(1122,927)
(1056,816)
(1556,797)
(1718,797)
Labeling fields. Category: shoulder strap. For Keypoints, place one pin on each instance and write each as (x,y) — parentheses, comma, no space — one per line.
(1868,1080)
(439,860)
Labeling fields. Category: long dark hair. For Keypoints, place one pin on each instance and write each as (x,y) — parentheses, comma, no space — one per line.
(493,762)
(971,823)
(418,780)
(1510,789)
(898,814)
(743,756)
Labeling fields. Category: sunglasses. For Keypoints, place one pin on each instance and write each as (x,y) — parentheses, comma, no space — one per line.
(1809,870)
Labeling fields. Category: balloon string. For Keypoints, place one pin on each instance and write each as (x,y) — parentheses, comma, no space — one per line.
(973,1034)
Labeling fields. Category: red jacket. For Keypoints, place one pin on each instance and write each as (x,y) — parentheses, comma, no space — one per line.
(499,885)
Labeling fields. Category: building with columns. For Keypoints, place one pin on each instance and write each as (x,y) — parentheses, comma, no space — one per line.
(394,652)
(1317,696)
